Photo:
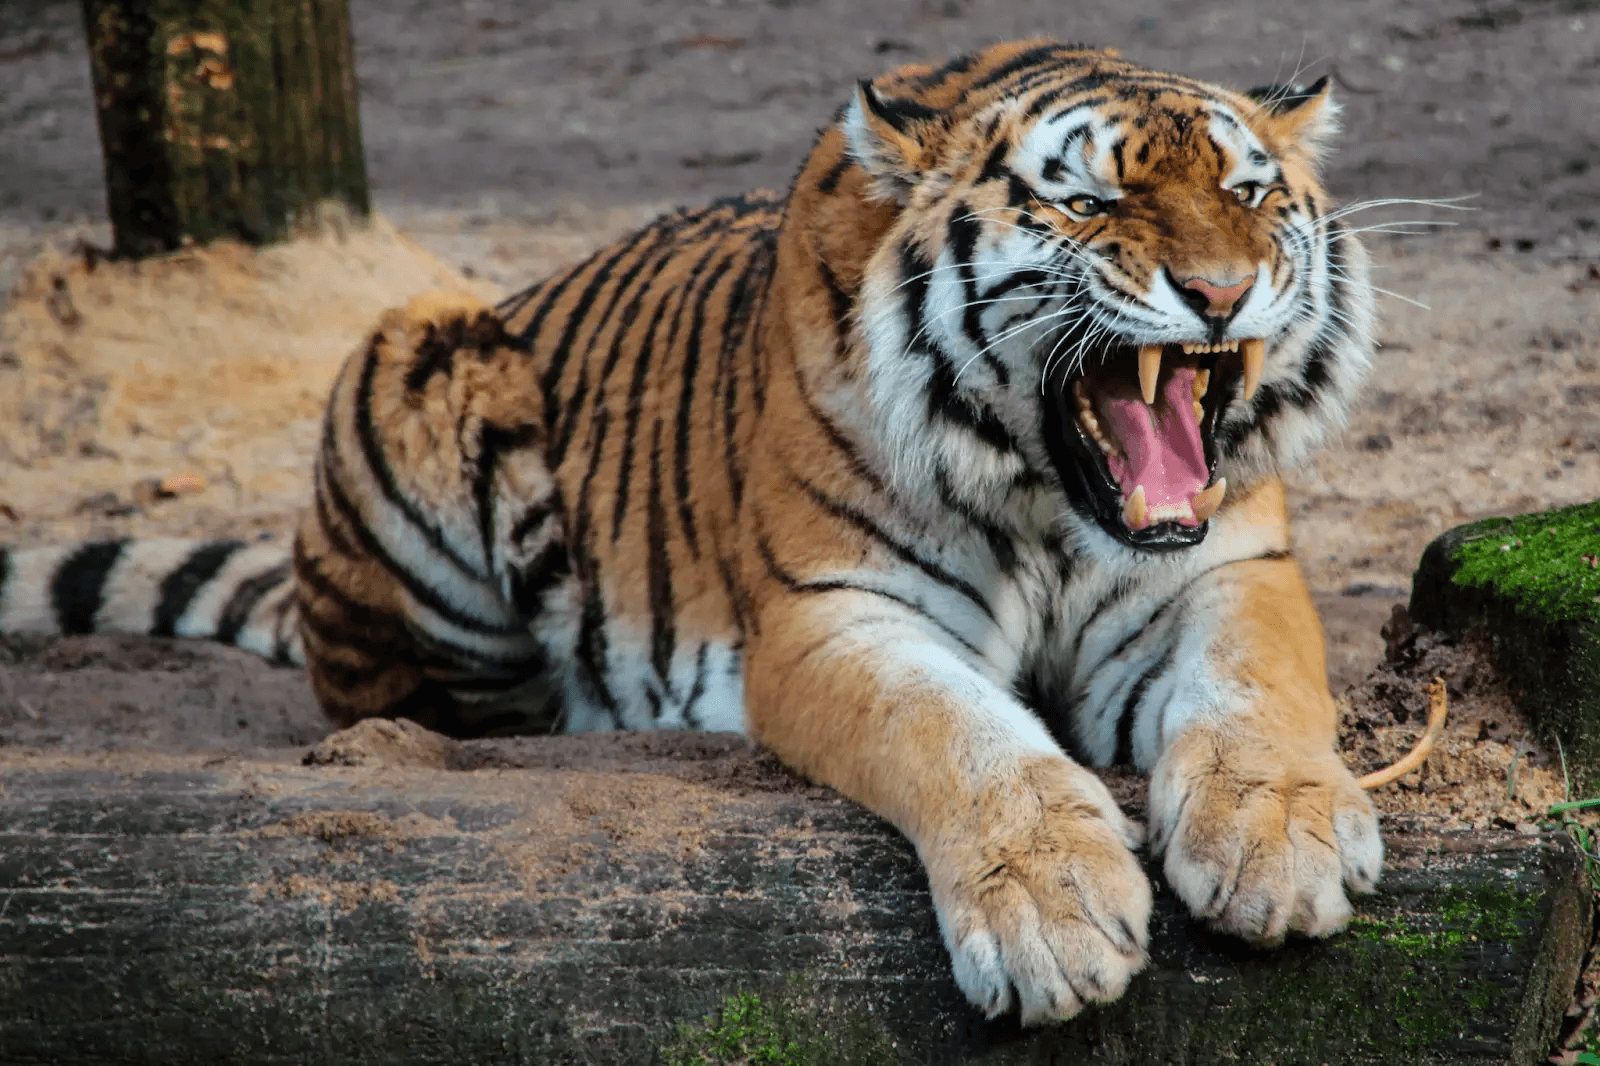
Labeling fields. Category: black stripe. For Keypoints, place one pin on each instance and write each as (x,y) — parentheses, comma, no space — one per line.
(898,111)
(836,437)
(1033,57)
(663,638)
(575,319)
(1000,541)
(530,582)
(368,435)
(1130,706)
(534,517)
(947,401)
(179,588)
(493,441)
(246,595)
(340,543)
(840,304)
(583,516)
(643,359)
(422,591)
(1139,630)
(736,328)
(963,231)
(698,689)
(657,256)
(956,65)
(1115,595)
(739,600)
(813,587)
(363,628)
(830,181)
(686,397)
(284,629)
(435,355)
(994,167)
(591,648)
(77,591)
(846,513)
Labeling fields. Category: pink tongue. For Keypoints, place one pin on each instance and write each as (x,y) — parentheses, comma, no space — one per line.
(1162,443)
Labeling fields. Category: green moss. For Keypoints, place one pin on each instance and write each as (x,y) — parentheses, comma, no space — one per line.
(1403,988)
(793,1027)
(1539,561)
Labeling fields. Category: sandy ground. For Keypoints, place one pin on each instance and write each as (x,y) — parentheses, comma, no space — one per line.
(504,138)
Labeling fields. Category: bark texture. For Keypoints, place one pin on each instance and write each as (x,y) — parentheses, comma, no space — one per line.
(224,119)
(596,899)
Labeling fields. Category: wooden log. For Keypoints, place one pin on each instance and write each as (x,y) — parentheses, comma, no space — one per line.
(678,898)
(220,119)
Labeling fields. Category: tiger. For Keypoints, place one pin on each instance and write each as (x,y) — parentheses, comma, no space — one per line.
(947,476)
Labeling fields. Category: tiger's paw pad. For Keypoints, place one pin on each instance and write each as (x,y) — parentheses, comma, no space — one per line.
(1050,920)
(1260,851)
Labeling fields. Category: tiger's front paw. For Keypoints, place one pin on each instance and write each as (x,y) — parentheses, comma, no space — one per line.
(1259,843)
(1049,902)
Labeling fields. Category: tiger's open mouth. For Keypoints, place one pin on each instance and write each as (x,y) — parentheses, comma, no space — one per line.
(1144,448)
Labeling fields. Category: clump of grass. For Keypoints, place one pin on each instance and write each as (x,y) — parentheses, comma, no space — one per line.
(793,1028)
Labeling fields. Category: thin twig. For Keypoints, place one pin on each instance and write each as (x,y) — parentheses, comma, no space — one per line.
(1438,707)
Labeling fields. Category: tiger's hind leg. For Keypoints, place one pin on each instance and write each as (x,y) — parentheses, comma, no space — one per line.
(435,536)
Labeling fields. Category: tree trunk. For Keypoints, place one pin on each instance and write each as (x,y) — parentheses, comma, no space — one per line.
(598,899)
(221,118)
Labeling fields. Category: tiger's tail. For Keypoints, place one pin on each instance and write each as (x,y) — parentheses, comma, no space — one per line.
(229,591)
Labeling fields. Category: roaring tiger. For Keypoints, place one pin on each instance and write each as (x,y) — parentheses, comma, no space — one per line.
(952,470)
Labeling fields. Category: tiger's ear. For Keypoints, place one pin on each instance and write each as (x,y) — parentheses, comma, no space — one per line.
(1302,115)
(891,137)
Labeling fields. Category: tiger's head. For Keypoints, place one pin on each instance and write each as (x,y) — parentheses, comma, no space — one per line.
(1060,262)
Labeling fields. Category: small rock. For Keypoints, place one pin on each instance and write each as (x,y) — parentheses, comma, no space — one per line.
(1527,829)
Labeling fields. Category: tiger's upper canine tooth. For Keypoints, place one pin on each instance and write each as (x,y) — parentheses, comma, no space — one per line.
(1205,503)
(1149,371)
(1135,511)
(1255,354)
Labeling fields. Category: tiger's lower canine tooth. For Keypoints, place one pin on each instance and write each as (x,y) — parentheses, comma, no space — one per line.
(1149,371)
(1205,503)
(1135,511)
(1255,354)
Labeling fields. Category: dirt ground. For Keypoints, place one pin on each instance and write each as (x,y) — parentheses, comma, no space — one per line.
(505,137)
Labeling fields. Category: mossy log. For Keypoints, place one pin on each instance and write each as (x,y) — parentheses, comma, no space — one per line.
(1532,585)
(598,899)
(221,119)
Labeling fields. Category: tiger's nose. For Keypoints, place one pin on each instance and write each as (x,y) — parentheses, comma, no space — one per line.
(1212,300)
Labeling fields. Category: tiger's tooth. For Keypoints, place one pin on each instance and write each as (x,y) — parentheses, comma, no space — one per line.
(1135,511)
(1255,354)
(1188,348)
(1149,371)
(1205,503)
(1202,383)
(1199,411)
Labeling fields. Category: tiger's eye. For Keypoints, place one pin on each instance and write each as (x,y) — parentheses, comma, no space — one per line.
(1088,206)
(1246,191)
